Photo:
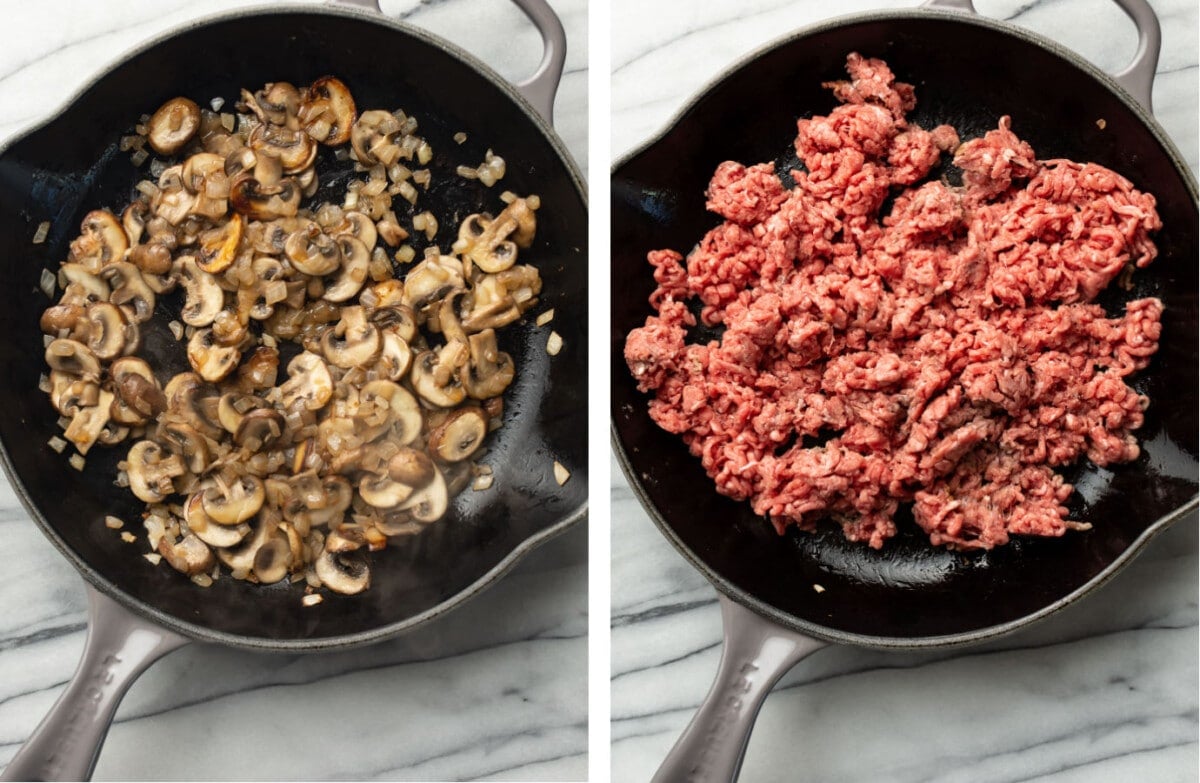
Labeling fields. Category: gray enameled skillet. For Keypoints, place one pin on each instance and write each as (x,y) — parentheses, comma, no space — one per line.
(56,173)
(968,71)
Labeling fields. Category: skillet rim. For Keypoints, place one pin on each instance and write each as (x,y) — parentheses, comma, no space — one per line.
(370,635)
(787,620)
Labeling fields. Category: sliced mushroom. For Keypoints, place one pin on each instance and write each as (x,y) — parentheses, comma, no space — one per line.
(110,335)
(234,503)
(153,259)
(308,384)
(398,319)
(190,556)
(374,134)
(233,407)
(259,429)
(404,412)
(101,241)
(211,360)
(487,306)
(435,375)
(195,402)
(486,244)
(277,103)
(229,329)
(460,435)
(295,149)
(412,467)
(259,369)
(354,342)
(69,392)
(490,370)
(346,573)
(204,296)
(150,471)
(357,225)
(219,246)
(327,112)
(220,536)
(345,538)
(395,357)
(88,423)
(312,251)
(273,558)
(320,501)
(129,291)
(432,279)
(138,396)
(185,441)
(240,558)
(88,286)
(65,320)
(173,125)
(73,358)
(429,503)
(383,491)
(356,259)
(264,202)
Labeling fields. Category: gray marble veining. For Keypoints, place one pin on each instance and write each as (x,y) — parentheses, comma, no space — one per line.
(1106,691)
(496,690)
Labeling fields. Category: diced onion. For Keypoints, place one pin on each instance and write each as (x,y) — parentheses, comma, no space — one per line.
(460,137)
(561,474)
(43,229)
(554,344)
(154,557)
(113,523)
(57,443)
(545,317)
(48,283)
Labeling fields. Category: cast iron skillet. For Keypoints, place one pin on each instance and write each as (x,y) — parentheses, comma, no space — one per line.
(71,165)
(968,71)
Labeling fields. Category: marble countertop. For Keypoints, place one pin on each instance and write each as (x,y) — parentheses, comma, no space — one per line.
(1106,691)
(495,690)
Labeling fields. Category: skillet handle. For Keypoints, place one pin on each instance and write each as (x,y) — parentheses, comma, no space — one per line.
(119,647)
(1137,78)
(757,653)
(540,88)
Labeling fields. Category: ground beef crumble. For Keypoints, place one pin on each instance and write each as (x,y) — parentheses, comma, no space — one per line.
(944,354)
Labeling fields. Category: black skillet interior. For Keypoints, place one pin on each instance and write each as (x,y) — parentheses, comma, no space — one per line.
(72,165)
(967,74)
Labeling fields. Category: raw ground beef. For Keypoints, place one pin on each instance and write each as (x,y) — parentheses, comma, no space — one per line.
(942,352)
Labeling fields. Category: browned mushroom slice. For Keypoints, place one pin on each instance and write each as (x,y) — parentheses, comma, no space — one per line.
(485,242)
(109,333)
(357,225)
(395,357)
(429,503)
(138,396)
(345,538)
(173,125)
(204,297)
(353,342)
(234,406)
(460,435)
(259,369)
(87,286)
(153,259)
(273,558)
(373,138)
(383,491)
(435,375)
(221,536)
(65,320)
(240,557)
(101,241)
(72,358)
(356,260)
(229,329)
(277,103)
(295,149)
(88,423)
(396,318)
(219,246)
(432,279)
(312,251)
(129,290)
(212,361)
(309,382)
(190,556)
(264,202)
(346,573)
(327,112)
(234,503)
(194,401)
(259,429)
(403,411)
(184,440)
(69,393)
(412,467)
(490,370)
(150,471)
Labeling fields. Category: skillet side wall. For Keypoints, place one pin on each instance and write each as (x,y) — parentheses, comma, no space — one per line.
(967,75)
(72,165)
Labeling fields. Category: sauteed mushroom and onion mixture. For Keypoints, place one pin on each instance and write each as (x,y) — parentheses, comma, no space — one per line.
(275,467)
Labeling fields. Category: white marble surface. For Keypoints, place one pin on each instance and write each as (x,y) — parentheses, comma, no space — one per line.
(496,690)
(1107,691)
